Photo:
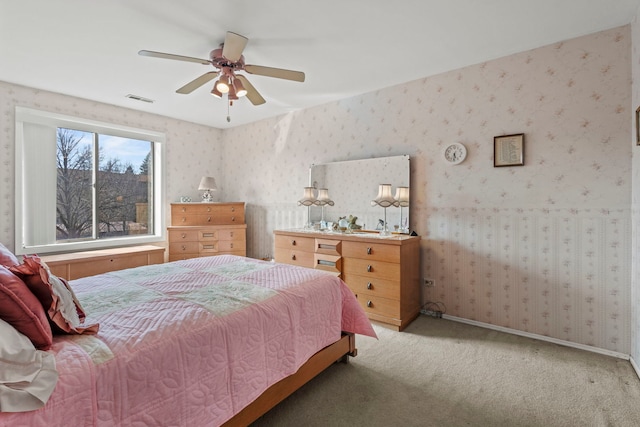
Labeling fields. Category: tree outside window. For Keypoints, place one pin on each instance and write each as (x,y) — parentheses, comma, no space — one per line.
(103,187)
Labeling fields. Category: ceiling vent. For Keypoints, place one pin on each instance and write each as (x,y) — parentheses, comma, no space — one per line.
(140,98)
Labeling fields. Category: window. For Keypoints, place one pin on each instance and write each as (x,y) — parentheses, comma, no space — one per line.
(82,184)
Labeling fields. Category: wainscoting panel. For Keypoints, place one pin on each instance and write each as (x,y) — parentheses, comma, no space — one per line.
(560,273)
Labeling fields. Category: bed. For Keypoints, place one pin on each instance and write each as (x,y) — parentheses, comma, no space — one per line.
(201,342)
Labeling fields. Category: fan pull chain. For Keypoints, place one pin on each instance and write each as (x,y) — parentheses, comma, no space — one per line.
(228,113)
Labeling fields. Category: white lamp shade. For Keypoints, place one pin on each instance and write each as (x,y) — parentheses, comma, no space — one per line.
(323,194)
(384,198)
(323,198)
(207,183)
(402,196)
(309,197)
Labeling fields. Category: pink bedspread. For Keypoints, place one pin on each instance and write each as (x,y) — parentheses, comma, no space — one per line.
(191,343)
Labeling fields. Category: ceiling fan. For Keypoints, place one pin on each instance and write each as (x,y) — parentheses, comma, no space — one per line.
(228,61)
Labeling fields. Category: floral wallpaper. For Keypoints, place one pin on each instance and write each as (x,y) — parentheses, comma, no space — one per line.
(543,248)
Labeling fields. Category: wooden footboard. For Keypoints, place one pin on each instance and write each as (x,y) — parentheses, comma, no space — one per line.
(338,351)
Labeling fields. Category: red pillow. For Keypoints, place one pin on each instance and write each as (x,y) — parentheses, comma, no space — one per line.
(22,310)
(7,258)
(55,295)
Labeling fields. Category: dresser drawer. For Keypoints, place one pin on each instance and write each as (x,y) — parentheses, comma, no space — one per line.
(184,247)
(330,263)
(295,257)
(231,234)
(380,306)
(183,235)
(232,245)
(208,219)
(373,286)
(208,248)
(373,251)
(181,257)
(371,268)
(207,208)
(328,246)
(188,214)
(208,235)
(306,244)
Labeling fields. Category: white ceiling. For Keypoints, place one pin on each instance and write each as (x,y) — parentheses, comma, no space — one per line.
(89,48)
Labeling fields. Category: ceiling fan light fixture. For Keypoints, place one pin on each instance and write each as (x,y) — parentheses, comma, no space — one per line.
(232,96)
(223,84)
(215,92)
(239,88)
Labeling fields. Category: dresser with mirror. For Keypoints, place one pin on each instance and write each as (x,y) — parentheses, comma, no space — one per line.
(382,271)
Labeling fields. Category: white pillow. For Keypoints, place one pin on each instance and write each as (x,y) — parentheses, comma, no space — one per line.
(27,376)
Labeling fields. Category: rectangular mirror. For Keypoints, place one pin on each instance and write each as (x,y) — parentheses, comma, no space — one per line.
(353,184)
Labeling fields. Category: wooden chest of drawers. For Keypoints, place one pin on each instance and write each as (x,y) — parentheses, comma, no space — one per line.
(206,229)
(383,273)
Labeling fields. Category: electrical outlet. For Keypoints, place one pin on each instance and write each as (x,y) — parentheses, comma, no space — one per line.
(429,283)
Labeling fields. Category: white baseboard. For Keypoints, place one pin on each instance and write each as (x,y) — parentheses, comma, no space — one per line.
(545,338)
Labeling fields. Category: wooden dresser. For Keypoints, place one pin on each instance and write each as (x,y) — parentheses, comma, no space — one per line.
(88,263)
(383,273)
(206,229)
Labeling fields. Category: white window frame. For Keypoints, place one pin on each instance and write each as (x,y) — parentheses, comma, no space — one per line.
(48,202)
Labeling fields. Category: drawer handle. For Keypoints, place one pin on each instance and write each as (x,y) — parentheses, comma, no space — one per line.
(293,243)
(184,209)
(208,209)
(207,234)
(233,209)
(293,257)
(208,247)
(368,251)
(369,303)
(208,219)
(369,269)
(231,246)
(184,219)
(184,248)
(369,285)
(233,218)
(184,235)
(231,234)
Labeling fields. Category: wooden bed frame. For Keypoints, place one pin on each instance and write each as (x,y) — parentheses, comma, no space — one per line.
(338,351)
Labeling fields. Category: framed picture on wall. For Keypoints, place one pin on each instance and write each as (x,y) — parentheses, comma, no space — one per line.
(508,150)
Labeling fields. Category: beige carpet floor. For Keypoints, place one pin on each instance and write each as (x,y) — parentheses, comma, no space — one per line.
(444,373)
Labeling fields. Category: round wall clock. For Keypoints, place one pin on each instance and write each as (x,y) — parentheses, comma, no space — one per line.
(455,153)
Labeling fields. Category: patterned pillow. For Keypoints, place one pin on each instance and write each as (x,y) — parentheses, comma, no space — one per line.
(22,310)
(55,295)
(7,258)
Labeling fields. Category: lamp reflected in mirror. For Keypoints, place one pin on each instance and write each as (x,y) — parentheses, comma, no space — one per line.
(384,200)
(323,200)
(402,201)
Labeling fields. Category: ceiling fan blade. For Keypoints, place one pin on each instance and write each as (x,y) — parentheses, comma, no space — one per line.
(172,56)
(279,73)
(196,83)
(252,93)
(233,46)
